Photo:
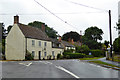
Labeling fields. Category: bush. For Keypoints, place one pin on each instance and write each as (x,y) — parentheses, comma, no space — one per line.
(59,56)
(83,49)
(116,45)
(67,56)
(88,56)
(73,55)
(29,56)
(98,53)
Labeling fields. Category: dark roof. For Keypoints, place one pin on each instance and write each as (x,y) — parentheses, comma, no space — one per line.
(32,32)
(67,44)
(56,43)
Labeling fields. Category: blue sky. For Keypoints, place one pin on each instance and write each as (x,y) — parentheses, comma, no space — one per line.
(78,16)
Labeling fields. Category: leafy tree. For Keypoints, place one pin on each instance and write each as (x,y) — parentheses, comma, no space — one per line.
(72,35)
(118,26)
(106,43)
(94,33)
(116,45)
(9,28)
(83,49)
(49,31)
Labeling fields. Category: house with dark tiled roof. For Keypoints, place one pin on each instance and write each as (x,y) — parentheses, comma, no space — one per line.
(23,38)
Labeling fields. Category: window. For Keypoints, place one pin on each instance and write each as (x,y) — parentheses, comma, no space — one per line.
(45,43)
(33,53)
(39,43)
(45,54)
(33,42)
(52,53)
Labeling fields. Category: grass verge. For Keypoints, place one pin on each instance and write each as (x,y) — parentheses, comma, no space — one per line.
(103,63)
(90,58)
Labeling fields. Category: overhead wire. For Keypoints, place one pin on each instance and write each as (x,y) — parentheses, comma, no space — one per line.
(55,15)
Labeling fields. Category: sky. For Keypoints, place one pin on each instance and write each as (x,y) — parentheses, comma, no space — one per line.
(78,17)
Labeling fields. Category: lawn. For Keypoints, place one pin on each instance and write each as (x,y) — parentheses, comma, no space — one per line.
(103,63)
(90,58)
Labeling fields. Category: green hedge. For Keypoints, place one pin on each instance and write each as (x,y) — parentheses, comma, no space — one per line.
(98,53)
(73,55)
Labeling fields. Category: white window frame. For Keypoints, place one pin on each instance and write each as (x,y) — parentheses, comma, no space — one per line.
(39,43)
(33,42)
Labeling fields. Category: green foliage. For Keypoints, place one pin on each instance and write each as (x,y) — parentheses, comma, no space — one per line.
(92,44)
(97,53)
(72,35)
(3,46)
(118,26)
(69,50)
(49,31)
(94,33)
(59,56)
(9,28)
(106,43)
(29,56)
(73,55)
(116,45)
(83,49)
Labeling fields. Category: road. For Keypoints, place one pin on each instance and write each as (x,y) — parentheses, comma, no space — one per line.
(55,69)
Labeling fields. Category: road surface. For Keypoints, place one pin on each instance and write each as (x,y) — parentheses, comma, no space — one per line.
(55,69)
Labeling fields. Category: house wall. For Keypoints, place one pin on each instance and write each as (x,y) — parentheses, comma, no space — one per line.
(15,44)
(38,48)
(57,51)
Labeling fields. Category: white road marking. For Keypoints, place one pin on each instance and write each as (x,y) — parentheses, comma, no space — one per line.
(61,68)
(29,64)
(26,64)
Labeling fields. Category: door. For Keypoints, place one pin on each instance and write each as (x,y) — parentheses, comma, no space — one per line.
(39,55)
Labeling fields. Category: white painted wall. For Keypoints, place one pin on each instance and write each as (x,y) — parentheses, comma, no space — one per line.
(15,44)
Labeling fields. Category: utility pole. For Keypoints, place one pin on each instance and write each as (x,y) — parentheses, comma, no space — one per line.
(110,34)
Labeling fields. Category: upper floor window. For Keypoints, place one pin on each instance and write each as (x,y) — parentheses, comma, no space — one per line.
(33,42)
(39,43)
(45,43)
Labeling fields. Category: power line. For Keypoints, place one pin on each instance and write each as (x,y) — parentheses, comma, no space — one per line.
(55,15)
(86,6)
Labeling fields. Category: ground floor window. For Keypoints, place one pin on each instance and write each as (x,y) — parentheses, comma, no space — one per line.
(45,54)
(33,53)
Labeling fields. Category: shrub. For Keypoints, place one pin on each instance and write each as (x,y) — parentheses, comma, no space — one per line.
(59,56)
(88,56)
(74,55)
(98,53)
(83,49)
(67,56)
(29,56)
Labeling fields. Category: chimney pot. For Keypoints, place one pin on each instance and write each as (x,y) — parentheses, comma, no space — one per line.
(16,19)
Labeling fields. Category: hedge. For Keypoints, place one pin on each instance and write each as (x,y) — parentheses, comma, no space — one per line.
(98,53)
(73,55)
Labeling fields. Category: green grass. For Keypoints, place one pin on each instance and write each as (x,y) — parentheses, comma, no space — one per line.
(90,58)
(103,63)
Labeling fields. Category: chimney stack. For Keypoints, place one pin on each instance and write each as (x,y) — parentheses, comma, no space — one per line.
(43,27)
(16,19)
(59,39)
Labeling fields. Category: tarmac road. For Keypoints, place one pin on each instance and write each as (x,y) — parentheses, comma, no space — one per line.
(55,69)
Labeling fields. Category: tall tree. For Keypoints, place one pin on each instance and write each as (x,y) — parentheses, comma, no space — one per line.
(118,27)
(94,33)
(106,43)
(72,35)
(9,28)
(49,31)
(116,45)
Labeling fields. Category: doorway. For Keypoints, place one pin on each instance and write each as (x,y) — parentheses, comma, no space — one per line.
(39,55)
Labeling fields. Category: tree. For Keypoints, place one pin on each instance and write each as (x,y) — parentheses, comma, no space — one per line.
(94,33)
(9,28)
(71,35)
(49,31)
(116,45)
(118,26)
(106,43)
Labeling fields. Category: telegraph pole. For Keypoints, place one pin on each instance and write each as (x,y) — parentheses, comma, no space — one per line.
(110,34)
